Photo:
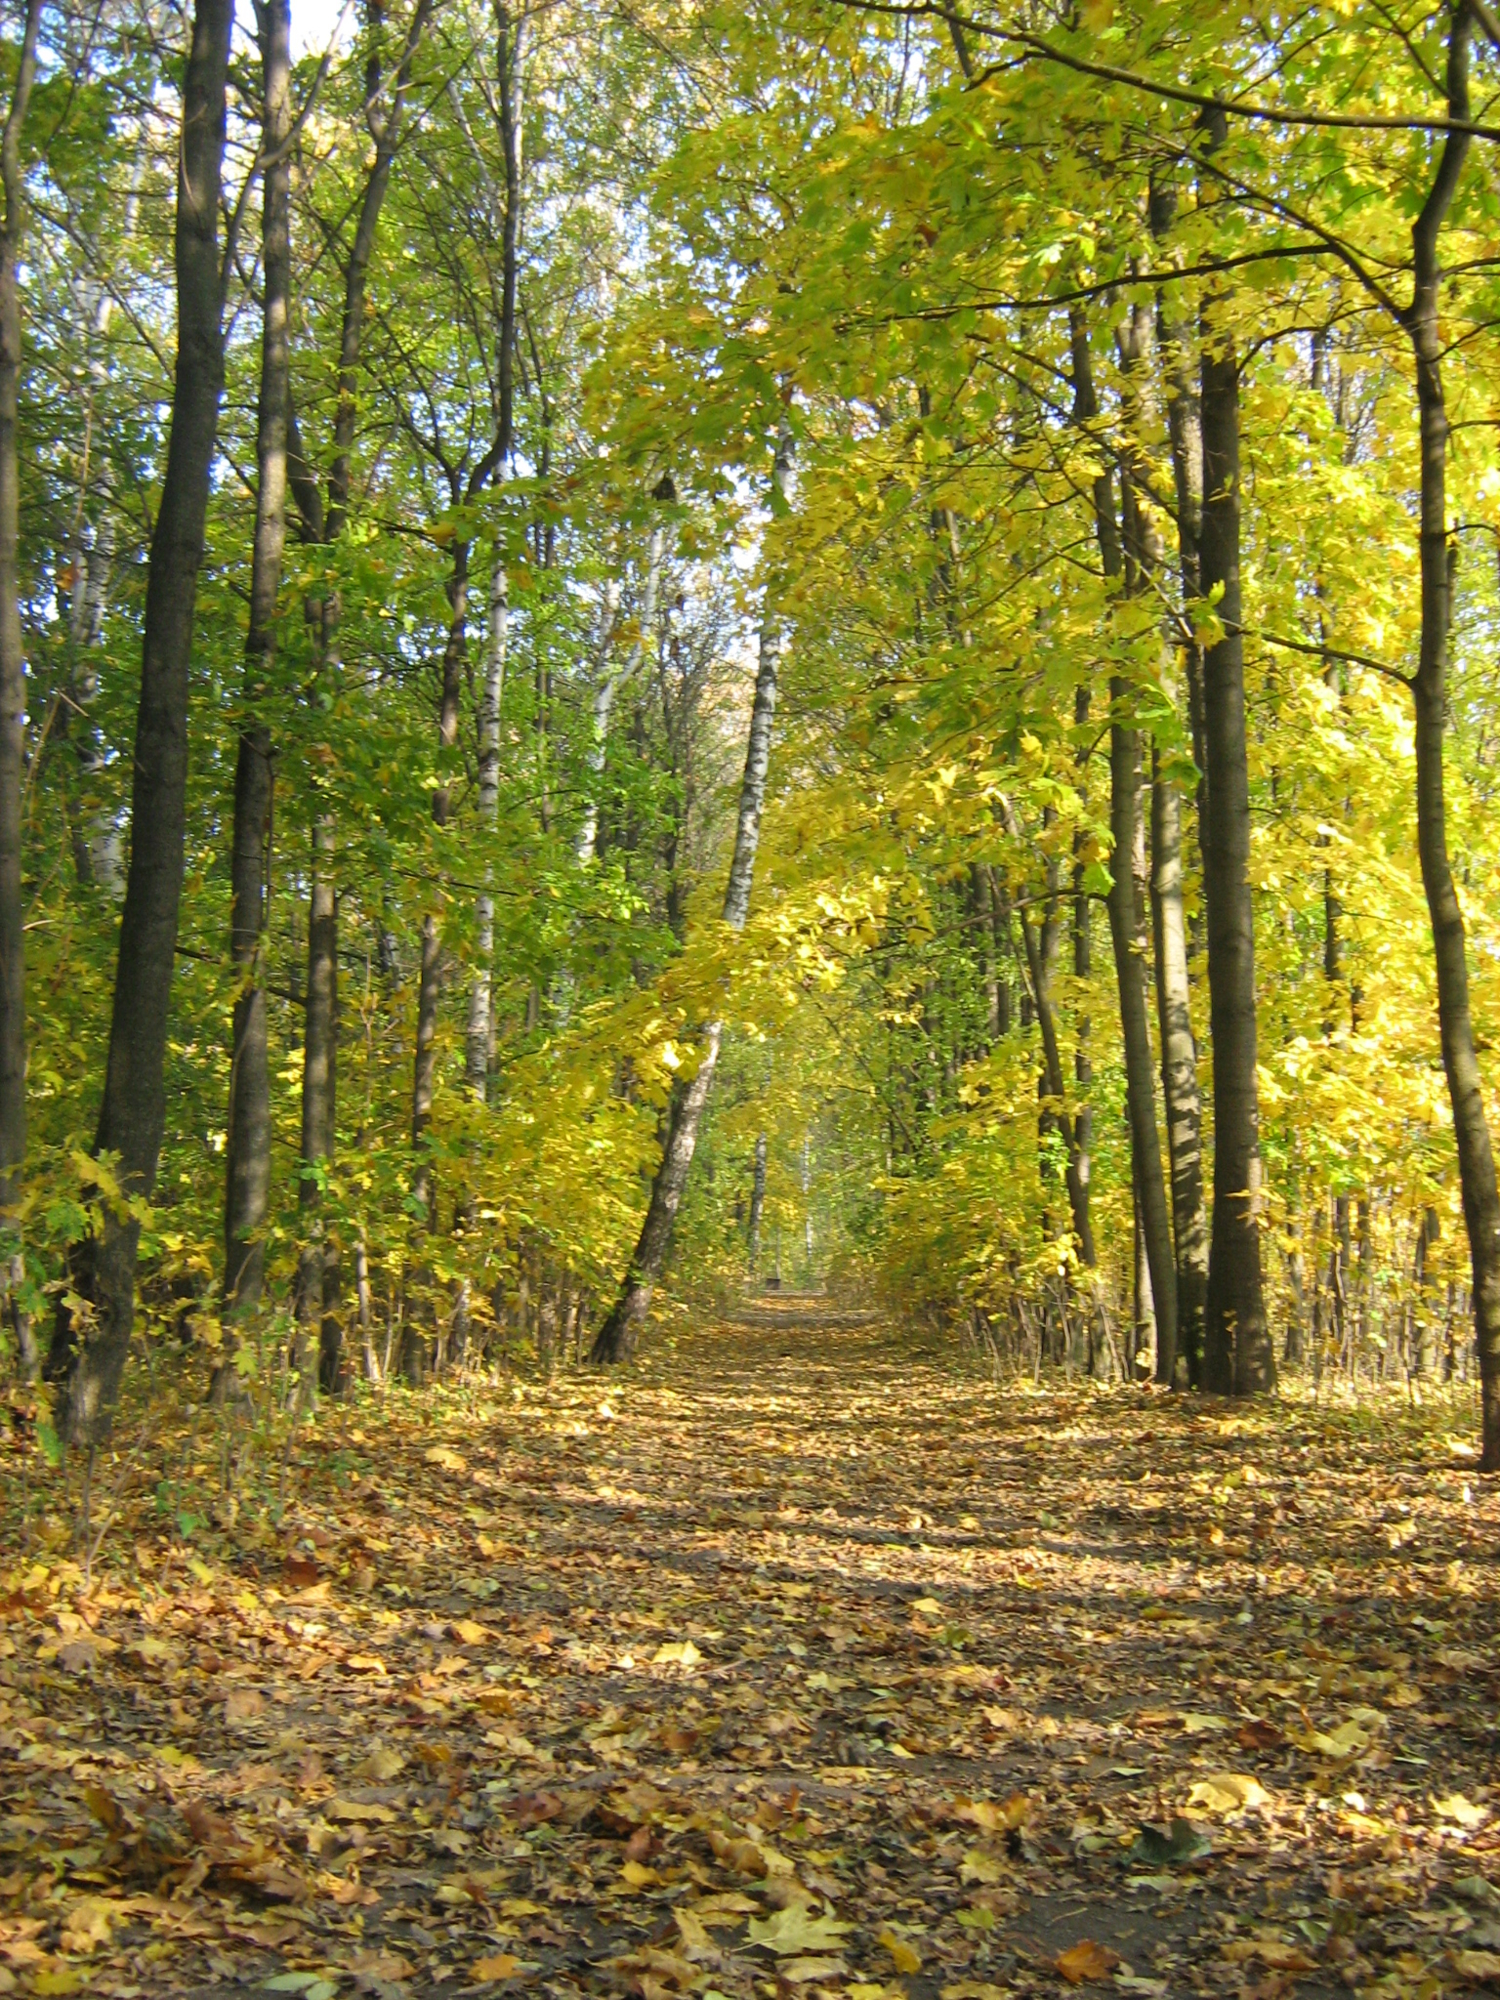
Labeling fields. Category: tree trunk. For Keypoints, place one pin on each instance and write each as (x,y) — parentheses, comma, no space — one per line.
(481,994)
(1083,957)
(1126,932)
(429,987)
(319,1091)
(1179,1063)
(757,1201)
(1237,1354)
(1471,1132)
(12,702)
(1125,916)
(616,1338)
(1052,1072)
(320,524)
(89,1348)
(248,1138)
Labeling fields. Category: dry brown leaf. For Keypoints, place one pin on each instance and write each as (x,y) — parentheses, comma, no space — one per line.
(1087,1962)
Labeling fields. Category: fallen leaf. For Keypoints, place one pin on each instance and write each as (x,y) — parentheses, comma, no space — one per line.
(1281,1957)
(380,1764)
(799,1971)
(1086,1962)
(905,1957)
(994,1818)
(1463,1812)
(794,1930)
(1480,1965)
(1228,1792)
(501,1965)
(678,1653)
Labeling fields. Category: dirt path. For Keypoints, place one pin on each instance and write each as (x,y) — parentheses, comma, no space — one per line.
(792,1663)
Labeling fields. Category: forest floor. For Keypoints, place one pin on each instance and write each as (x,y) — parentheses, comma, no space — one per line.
(799,1661)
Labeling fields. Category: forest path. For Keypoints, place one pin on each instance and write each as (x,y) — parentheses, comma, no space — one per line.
(797,1660)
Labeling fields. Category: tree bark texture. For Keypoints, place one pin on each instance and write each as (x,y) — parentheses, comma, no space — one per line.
(757,1201)
(1179,1066)
(1471,1132)
(248,1137)
(1238,1358)
(1127,934)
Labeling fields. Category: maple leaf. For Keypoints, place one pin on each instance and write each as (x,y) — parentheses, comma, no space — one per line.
(1086,1963)
(796,1930)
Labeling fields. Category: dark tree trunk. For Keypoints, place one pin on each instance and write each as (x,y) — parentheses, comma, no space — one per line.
(1126,918)
(248,1140)
(1053,1081)
(1179,1064)
(616,1338)
(1237,1353)
(319,1093)
(757,1201)
(89,1359)
(12,698)
(1127,934)
(1471,1132)
(1083,957)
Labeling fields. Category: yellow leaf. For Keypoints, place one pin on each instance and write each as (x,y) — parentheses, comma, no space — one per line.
(691,1930)
(676,1653)
(500,1966)
(992,1818)
(1472,1964)
(445,1456)
(638,1875)
(1228,1792)
(903,1955)
(794,1930)
(380,1764)
(470,1632)
(981,1867)
(1460,1810)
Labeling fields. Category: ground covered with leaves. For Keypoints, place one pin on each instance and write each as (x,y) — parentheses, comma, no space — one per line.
(798,1662)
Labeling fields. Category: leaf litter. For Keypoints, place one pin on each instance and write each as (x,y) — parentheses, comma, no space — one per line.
(816,1667)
